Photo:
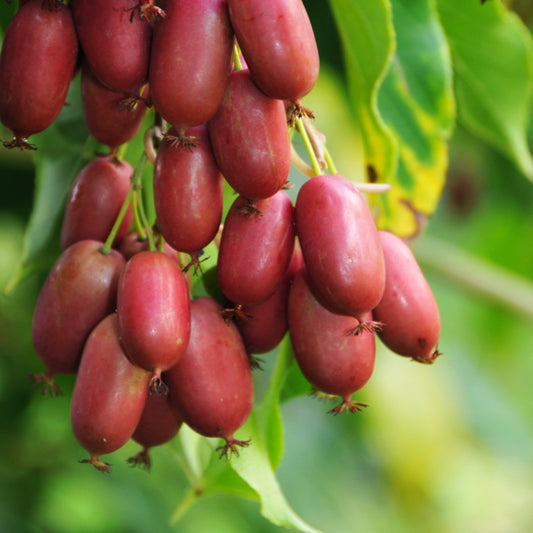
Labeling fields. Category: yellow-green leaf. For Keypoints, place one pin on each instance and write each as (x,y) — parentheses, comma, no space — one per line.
(407,90)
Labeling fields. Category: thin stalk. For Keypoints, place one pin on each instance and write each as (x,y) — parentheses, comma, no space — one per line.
(121,150)
(237,57)
(308,146)
(145,223)
(478,275)
(136,219)
(106,248)
(329,161)
(135,184)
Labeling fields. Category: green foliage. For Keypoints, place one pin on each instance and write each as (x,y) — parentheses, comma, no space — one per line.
(413,68)
(399,58)
(492,55)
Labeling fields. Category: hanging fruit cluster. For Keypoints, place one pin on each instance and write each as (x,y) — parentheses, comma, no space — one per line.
(224,81)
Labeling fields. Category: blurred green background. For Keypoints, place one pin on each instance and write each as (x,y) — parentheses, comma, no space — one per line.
(445,448)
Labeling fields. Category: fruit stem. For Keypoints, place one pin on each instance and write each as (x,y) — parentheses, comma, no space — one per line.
(136,219)
(317,171)
(135,184)
(121,150)
(329,161)
(144,219)
(237,57)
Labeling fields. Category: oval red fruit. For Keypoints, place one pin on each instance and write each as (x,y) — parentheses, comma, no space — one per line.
(95,200)
(255,248)
(116,45)
(331,360)
(111,117)
(278,43)
(80,290)
(340,245)
(408,309)
(159,423)
(109,394)
(153,312)
(212,385)
(267,321)
(250,139)
(188,193)
(37,62)
(190,60)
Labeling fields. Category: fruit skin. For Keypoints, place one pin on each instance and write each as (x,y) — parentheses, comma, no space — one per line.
(37,61)
(278,44)
(408,309)
(190,60)
(340,245)
(250,139)
(255,250)
(107,115)
(109,393)
(331,360)
(158,424)
(212,385)
(117,49)
(95,200)
(188,193)
(159,421)
(153,311)
(80,290)
(268,320)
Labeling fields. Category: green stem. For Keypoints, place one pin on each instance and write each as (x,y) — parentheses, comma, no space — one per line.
(237,57)
(329,161)
(106,248)
(499,284)
(145,223)
(121,151)
(308,146)
(135,184)
(136,219)
(186,503)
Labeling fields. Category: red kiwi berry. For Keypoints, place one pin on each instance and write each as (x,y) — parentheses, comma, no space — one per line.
(109,394)
(255,250)
(334,363)
(408,309)
(80,290)
(190,62)
(95,200)
(153,313)
(159,423)
(267,322)
(188,193)
(116,48)
(37,61)
(250,139)
(341,248)
(278,44)
(212,385)
(111,117)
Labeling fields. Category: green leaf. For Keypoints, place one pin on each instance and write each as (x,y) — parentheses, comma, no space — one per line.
(295,383)
(254,466)
(367,36)
(61,151)
(268,412)
(492,55)
(399,75)
(417,103)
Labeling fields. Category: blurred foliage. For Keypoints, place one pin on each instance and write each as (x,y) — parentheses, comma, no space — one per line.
(444,448)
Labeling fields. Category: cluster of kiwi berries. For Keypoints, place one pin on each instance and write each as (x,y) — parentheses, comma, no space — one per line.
(224,80)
